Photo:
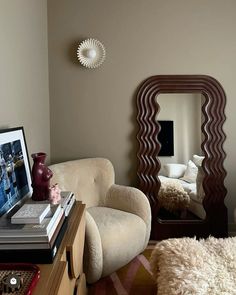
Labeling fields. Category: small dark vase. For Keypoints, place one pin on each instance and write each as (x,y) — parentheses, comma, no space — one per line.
(41,175)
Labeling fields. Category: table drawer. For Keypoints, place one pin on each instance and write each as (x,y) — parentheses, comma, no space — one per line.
(81,288)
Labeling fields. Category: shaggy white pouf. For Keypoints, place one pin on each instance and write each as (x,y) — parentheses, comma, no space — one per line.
(172,196)
(187,266)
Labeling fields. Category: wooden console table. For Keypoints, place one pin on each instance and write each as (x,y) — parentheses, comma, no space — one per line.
(65,275)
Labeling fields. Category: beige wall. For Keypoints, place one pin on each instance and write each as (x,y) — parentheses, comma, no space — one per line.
(24,92)
(93,111)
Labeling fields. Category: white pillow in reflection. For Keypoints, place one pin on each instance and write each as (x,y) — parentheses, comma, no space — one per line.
(200,191)
(190,174)
(197,160)
(174,170)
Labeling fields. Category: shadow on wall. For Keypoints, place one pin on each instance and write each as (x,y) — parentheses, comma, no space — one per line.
(132,155)
(72,52)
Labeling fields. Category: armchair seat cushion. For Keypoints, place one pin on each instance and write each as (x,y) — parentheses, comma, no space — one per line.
(115,236)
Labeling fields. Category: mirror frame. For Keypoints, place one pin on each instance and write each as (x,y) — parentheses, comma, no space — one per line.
(213,109)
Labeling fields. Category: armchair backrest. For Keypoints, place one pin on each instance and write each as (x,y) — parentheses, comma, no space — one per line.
(89,179)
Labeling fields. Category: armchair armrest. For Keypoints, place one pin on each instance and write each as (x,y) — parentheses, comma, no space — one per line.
(93,260)
(129,199)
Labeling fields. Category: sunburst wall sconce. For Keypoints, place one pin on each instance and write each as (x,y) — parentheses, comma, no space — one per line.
(91,53)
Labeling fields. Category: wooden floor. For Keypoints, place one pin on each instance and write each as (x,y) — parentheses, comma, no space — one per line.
(135,278)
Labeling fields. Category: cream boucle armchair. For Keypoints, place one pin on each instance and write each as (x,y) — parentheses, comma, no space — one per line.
(118,218)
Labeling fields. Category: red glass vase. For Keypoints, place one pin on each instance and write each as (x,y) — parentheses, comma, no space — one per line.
(41,175)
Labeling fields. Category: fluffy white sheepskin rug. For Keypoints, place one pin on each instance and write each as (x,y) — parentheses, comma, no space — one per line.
(187,266)
(172,196)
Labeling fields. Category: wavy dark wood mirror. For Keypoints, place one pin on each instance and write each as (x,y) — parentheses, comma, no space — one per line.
(213,118)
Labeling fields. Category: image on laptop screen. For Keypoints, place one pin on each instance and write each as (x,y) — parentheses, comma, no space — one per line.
(15,181)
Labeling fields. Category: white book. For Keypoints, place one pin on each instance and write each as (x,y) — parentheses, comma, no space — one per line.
(65,197)
(7,229)
(31,213)
(43,242)
(69,205)
(67,201)
(35,237)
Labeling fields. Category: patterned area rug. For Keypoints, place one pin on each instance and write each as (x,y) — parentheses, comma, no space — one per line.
(133,279)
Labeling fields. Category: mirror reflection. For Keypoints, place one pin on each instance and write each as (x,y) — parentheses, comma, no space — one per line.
(181,193)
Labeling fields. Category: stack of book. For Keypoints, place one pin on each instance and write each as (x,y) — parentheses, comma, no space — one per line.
(35,231)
